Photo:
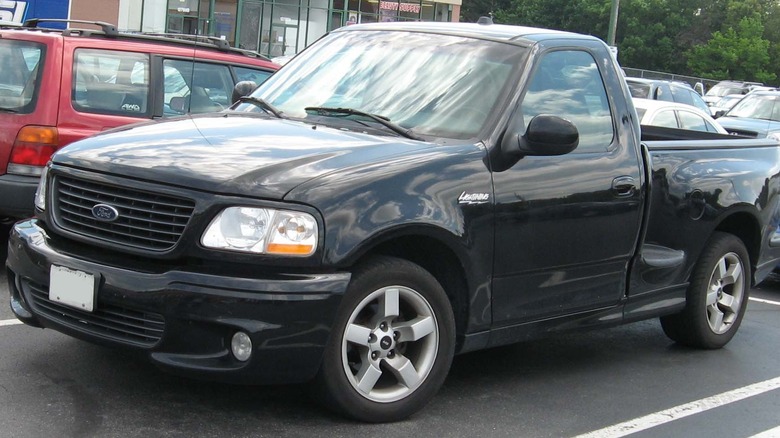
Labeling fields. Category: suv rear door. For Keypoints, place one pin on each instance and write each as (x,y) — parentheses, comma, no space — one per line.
(105,88)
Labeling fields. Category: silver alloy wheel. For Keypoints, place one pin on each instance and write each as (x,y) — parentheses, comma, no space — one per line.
(389,344)
(725,293)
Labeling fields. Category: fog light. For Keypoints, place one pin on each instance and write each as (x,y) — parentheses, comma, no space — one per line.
(241,346)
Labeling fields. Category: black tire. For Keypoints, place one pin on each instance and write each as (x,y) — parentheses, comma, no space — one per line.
(717,296)
(365,370)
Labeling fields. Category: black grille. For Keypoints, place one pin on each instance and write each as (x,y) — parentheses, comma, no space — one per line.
(146,220)
(141,329)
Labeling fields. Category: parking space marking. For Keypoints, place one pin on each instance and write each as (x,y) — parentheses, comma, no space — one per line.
(760,300)
(685,410)
(10,322)
(771,433)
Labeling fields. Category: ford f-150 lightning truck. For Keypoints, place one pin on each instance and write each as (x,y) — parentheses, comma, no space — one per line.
(397,194)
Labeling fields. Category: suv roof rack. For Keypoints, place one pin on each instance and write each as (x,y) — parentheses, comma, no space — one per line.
(107,28)
(219,42)
(110,30)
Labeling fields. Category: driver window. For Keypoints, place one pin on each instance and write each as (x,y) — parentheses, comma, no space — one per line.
(567,83)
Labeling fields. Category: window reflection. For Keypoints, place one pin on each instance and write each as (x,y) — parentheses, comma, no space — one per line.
(568,84)
(432,84)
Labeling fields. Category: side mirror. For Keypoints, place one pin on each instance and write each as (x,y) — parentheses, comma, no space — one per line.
(243,88)
(719,113)
(178,104)
(546,135)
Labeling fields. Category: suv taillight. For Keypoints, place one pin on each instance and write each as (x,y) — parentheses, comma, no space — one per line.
(33,147)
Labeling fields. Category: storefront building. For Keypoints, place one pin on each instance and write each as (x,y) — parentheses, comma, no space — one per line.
(271,27)
(278,27)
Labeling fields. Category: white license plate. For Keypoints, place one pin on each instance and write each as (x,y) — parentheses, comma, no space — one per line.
(72,288)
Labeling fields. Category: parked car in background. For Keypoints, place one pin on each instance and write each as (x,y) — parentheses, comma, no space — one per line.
(756,115)
(669,91)
(58,87)
(725,103)
(675,115)
(724,88)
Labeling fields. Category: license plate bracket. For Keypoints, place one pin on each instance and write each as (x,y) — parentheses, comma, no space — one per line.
(72,287)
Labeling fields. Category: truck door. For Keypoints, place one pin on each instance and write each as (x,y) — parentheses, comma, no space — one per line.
(567,226)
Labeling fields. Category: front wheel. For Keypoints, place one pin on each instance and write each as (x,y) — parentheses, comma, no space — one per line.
(392,344)
(717,296)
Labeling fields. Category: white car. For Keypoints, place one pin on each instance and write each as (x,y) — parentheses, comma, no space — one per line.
(725,104)
(675,115)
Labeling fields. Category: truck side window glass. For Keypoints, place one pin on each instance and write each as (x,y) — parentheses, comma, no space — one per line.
(110,82)
(567,83)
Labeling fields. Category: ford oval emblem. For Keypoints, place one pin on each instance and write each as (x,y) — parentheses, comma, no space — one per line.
(105,213)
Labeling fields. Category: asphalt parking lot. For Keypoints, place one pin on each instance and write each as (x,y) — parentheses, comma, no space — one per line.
(629,380)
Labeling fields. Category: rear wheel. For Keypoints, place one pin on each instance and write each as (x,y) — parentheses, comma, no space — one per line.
(392,344)
(717,296)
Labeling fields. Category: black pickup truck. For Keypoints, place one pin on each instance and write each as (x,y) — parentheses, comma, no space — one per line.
(397,194)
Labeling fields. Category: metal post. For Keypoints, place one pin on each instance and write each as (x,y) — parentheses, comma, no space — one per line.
(239,15)
(613,16)
(141,26)
(212,27)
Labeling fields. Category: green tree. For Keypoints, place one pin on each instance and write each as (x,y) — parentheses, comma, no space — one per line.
(739,53)
(471,10)
(583,16)
(663,34)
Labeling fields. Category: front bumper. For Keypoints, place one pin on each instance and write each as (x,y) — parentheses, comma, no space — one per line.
(184,319)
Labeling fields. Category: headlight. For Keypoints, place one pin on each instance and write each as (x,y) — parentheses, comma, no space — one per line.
(263,231)
(40,192)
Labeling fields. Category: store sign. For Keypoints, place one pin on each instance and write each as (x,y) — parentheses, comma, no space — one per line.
(400,7)
(12,10)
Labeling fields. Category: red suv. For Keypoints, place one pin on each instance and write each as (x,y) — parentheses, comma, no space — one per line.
(59,86)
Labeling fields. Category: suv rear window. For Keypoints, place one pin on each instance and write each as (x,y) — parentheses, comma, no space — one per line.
(20,62)
(195,87)
(251,74)
(111,82)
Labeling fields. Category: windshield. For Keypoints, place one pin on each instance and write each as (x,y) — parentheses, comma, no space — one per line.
(435,85)
(728,101)
(757,106)
(19,64)
(722,90)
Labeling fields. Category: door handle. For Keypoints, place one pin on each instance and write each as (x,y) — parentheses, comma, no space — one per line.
(623,186)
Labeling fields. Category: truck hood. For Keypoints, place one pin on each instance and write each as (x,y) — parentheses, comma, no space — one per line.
(741,125)
(231,154)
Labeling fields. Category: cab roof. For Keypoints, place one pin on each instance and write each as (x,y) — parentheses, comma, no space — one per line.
(499,32)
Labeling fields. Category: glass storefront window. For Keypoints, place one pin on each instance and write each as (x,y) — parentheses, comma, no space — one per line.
(286,27)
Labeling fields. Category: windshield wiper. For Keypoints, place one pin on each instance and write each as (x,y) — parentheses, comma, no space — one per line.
(262,104)
(8,110)
(382,120)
